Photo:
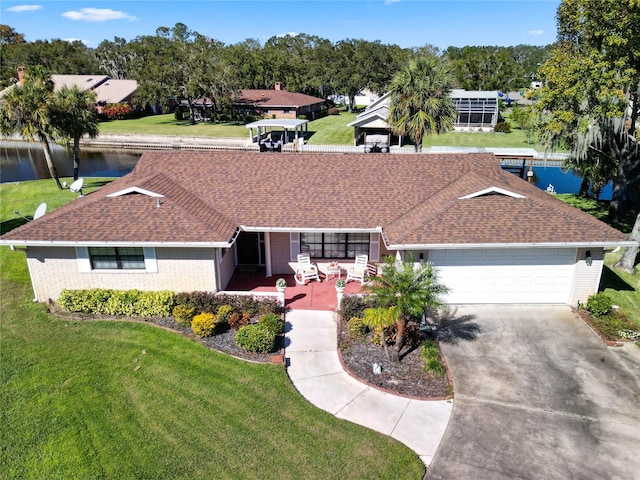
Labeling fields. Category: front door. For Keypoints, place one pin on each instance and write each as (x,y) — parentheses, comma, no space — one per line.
(250,248)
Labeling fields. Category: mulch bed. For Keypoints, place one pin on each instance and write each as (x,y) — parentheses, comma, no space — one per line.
(223,342)
(406,378)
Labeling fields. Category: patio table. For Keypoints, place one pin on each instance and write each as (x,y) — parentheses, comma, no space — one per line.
(333,270)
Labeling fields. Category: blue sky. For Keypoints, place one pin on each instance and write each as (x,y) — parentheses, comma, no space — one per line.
(408,23)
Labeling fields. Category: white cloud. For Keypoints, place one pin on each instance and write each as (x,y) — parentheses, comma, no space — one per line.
(71,40)
(97,15)
(535,32)
(24,8)
(390,2)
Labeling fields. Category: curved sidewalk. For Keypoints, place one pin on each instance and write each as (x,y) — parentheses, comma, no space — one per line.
(311,349)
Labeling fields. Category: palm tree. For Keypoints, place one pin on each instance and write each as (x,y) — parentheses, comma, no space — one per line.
(420,101)
(381,318)
(74,115)
(411,288)
(26,110)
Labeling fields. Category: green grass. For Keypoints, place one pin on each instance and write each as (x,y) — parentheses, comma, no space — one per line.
(515,139)
(73,405)
(166,124)
(329,130)
(622,287)
(332,129)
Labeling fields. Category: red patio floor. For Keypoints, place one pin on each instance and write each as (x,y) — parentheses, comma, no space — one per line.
(312,296)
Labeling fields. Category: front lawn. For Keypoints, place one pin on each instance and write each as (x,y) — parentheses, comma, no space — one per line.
(166,124)
(106,399)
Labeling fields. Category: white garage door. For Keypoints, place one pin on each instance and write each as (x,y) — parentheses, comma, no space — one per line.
(543,275)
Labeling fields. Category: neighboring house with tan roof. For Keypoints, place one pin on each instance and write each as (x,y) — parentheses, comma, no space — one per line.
(279,103)
(107,90)
(493,237)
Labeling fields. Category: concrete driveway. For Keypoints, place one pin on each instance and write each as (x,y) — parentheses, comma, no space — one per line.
(537,396)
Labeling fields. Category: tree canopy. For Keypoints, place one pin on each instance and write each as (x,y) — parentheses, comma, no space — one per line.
(590,98)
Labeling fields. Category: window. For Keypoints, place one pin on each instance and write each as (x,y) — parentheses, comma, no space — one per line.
(117,258)
(334,245)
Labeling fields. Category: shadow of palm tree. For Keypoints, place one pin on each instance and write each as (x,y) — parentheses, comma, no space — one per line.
(452,328)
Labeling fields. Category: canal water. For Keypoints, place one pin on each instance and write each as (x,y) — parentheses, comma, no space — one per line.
(20,161)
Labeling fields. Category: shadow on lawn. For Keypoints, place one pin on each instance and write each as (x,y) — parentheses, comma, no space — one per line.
(453,327)
(611,279)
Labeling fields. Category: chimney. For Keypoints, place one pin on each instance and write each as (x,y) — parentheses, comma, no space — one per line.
(20,74)
(278,85)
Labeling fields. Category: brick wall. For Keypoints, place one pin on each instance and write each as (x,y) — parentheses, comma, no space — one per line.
(179,269)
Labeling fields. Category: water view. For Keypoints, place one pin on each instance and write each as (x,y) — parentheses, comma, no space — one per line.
(20,161)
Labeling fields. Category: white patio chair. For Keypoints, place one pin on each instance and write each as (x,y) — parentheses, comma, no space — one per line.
(359,269)
(305,270)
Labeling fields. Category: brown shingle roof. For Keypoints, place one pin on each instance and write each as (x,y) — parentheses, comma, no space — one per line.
(275,98)
(414,198)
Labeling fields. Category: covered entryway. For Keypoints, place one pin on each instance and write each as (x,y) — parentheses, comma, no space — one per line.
(506,275)
(250,249)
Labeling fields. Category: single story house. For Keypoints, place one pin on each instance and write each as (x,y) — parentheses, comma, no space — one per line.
(476,110)
(107,90)
(187,220)
(279,103)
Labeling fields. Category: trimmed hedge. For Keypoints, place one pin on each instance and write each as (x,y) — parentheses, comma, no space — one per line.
(204,325)
(132,303)
(273,322)
(256,338)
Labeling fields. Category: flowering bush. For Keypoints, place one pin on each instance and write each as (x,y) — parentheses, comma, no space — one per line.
(116,111)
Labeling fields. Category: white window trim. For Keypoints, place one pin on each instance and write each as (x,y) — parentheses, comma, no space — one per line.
(84,262)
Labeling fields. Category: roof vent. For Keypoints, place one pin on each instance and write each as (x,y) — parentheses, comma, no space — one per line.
(492,191)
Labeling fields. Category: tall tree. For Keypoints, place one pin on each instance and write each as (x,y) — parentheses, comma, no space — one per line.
(74,115)
(411,288)
(26,110)
(420,101)
(590,99)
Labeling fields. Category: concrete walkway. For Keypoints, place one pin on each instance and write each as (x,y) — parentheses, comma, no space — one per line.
(314,368)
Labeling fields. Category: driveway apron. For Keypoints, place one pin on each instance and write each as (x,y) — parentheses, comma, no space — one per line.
(537,396)
(316,372)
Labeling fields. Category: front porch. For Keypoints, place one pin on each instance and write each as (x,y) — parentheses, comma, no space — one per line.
(312,296)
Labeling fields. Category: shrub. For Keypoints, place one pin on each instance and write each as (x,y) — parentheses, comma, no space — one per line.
(238,320)
(118,302)
(356,327)
(599,304)
(431,356)
(183,314)
(256,338)
(223,313)
(116,111)
(413,336)
(389,335)
(204,324)
(273,322)
(502,127)
(333,111)
(355,305)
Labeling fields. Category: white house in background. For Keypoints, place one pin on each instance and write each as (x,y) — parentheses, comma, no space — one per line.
(187,220)
(476,111)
